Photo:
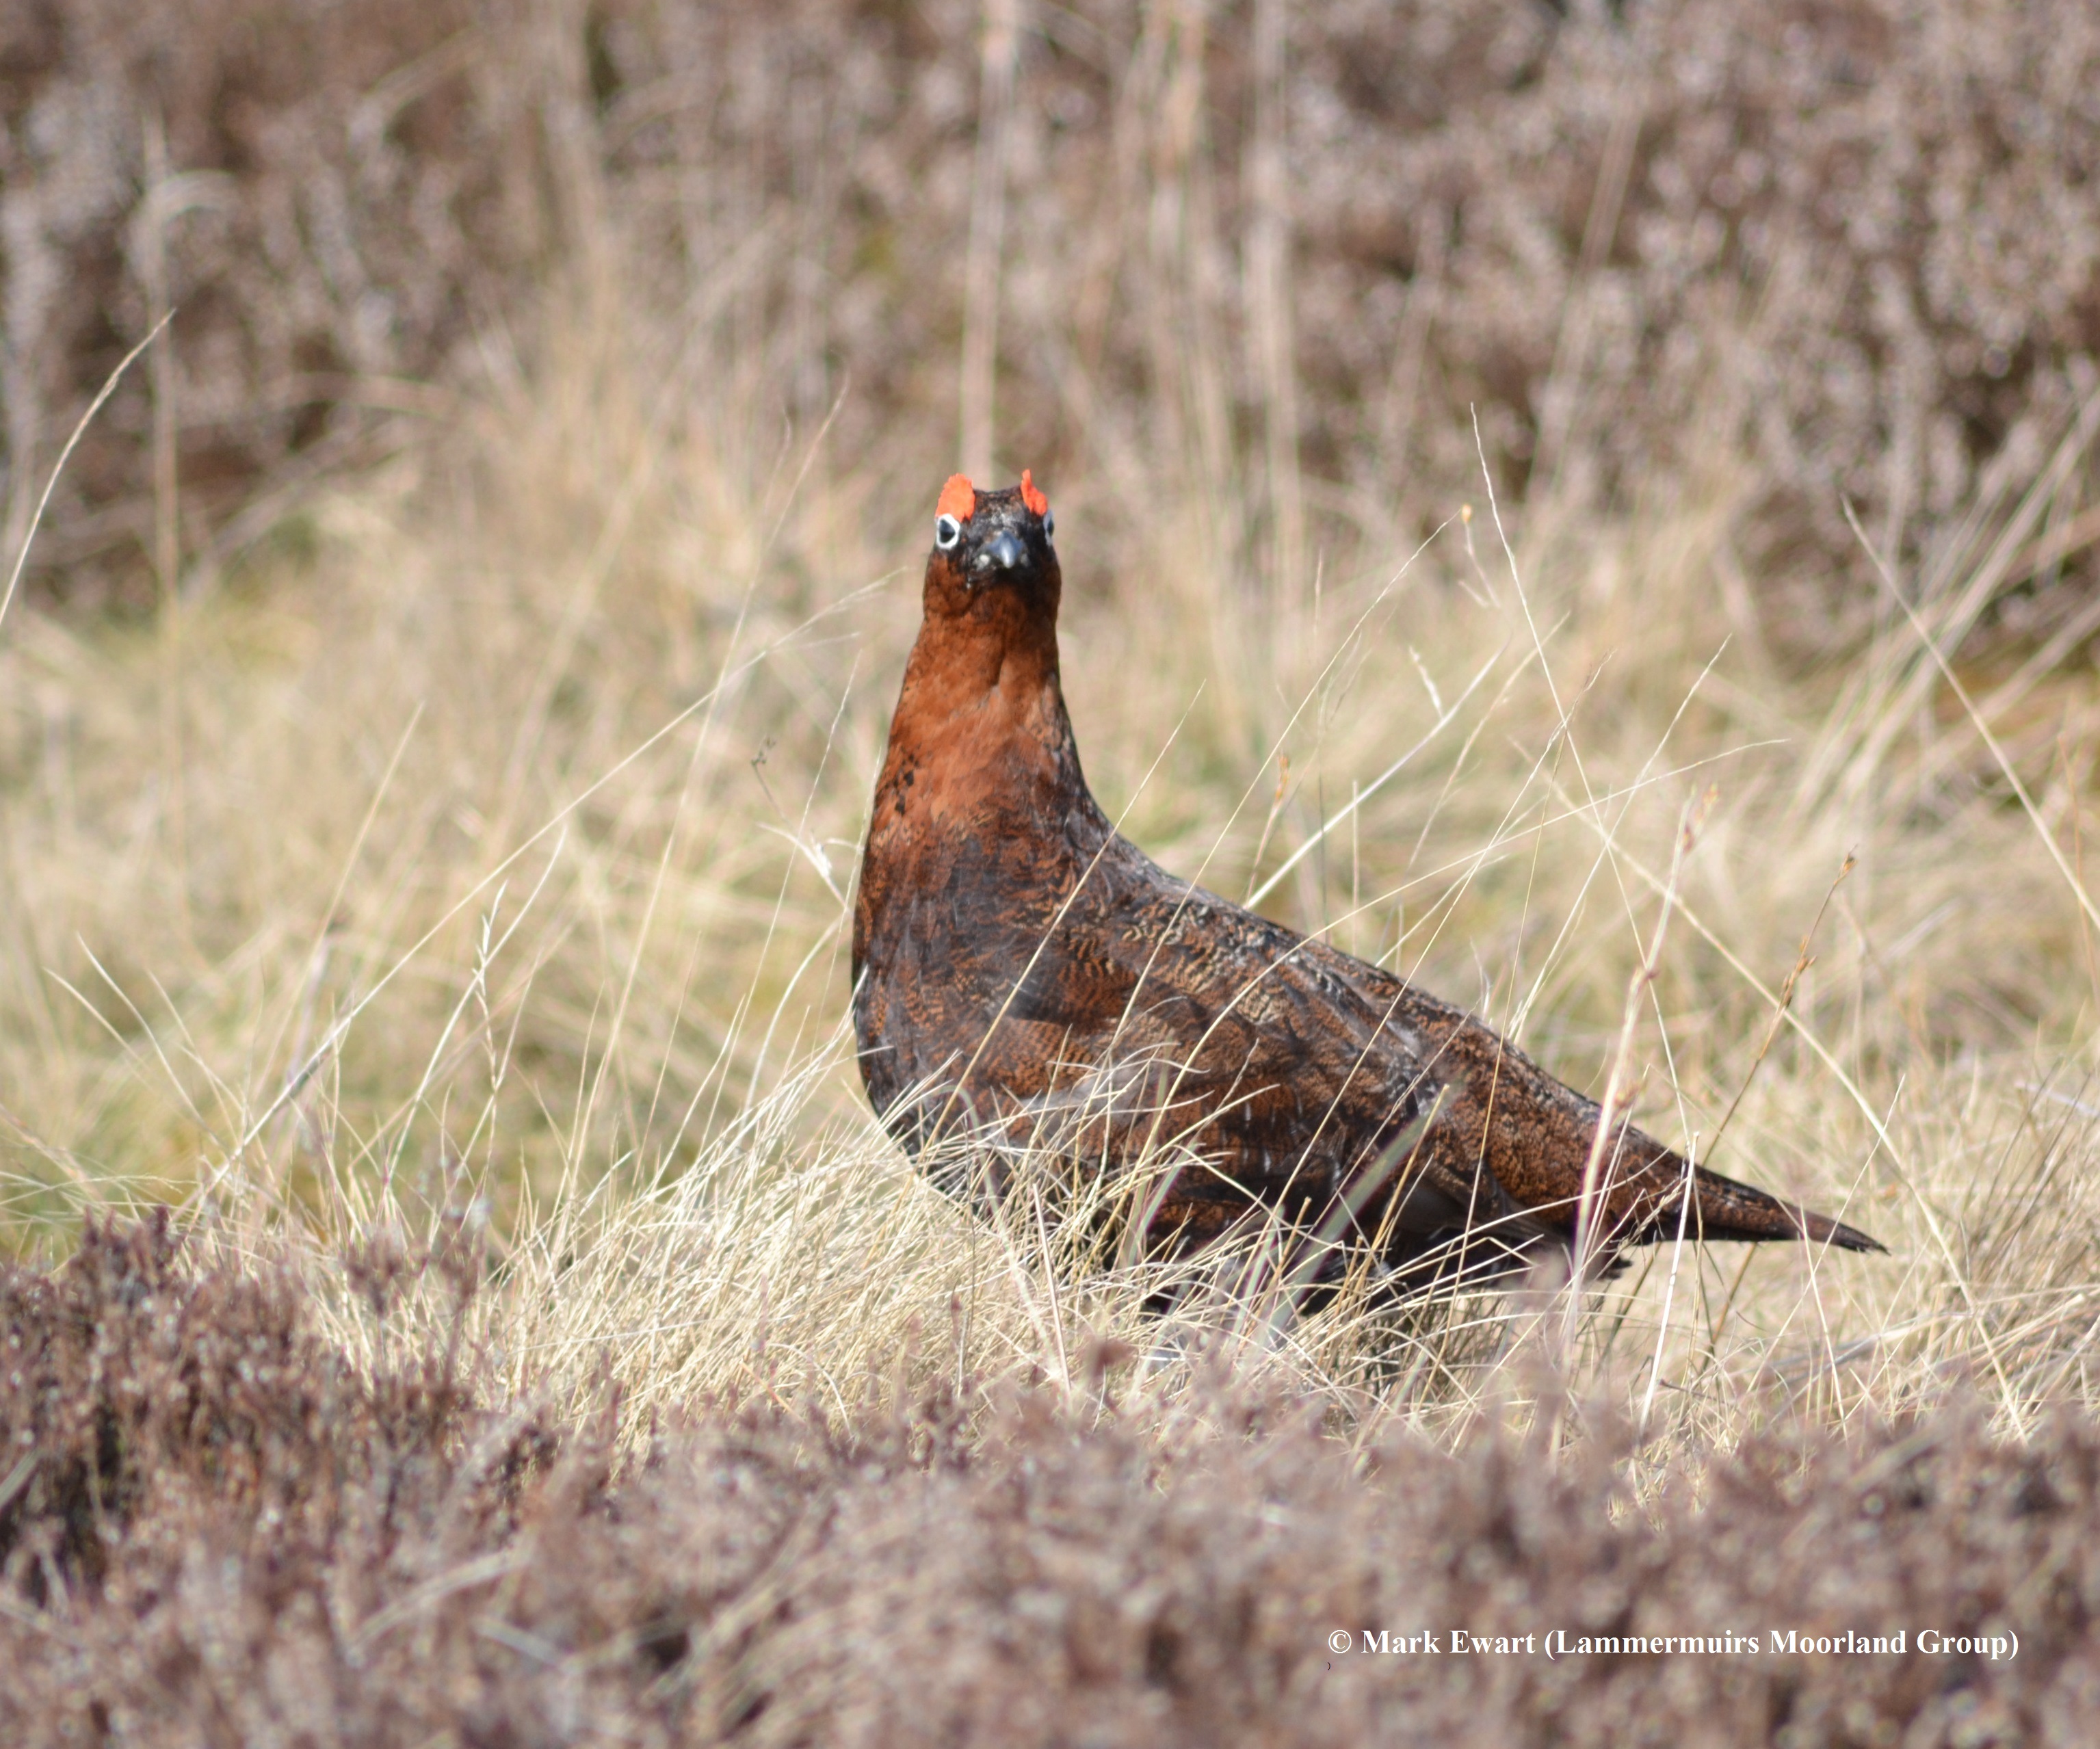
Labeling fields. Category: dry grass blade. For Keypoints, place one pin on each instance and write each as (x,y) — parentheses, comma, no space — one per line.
(65,455)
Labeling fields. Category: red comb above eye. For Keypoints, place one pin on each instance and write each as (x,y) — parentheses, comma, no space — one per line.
(1032,498)
(959,498)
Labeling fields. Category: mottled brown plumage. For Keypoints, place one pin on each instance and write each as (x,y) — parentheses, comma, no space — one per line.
(1025,977)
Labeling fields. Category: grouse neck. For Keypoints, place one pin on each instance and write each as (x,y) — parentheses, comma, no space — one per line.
(981,745)
(982,676)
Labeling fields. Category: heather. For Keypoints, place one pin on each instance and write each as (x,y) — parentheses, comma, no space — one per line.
(221,1527)
(1591,509)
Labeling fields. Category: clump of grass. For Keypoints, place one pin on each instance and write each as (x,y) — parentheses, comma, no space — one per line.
(482,863)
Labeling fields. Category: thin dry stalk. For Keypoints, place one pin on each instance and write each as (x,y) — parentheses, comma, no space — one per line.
(1596,1183)
(999,49)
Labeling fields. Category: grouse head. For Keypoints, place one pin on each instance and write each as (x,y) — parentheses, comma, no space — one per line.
(992,553)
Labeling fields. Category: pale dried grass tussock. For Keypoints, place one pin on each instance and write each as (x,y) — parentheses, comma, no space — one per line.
(471,871)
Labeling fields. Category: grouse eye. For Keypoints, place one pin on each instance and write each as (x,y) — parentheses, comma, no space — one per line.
(1049,526)
(946,532)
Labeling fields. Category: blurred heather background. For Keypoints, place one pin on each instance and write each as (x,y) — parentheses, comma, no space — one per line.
(1274,255)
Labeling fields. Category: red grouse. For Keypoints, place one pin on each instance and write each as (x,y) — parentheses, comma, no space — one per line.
(1026,979)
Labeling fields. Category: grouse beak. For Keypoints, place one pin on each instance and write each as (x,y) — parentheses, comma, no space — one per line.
(1004,550)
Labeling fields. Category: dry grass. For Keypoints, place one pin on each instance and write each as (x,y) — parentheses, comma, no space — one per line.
(445,910)
(478,859)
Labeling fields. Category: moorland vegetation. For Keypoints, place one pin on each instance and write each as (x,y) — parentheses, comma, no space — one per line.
(1594,510)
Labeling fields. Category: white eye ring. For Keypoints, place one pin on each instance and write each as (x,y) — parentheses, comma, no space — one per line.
(946,532)
(1049,524)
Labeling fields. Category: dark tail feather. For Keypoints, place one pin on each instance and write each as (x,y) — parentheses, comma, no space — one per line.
(1723,1208)
(1822,1230)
